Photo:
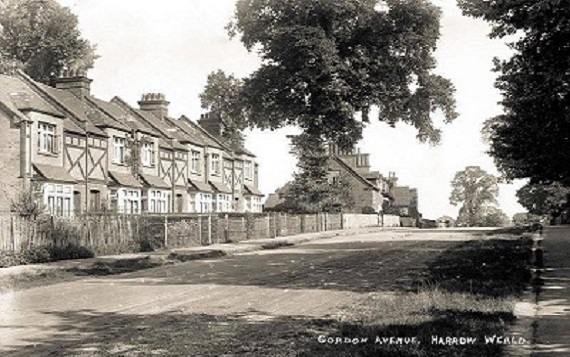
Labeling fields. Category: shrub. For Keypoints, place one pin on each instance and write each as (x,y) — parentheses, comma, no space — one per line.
(35,255)
(70,251)
(368,210)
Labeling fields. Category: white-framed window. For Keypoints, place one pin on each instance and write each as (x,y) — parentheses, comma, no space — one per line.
(223,203)
(47,138)
(158,201)
(118,150)
(147,154)
(195,163)
(204,203)
(58,199)
(248,170)
(215,164)
(127,200)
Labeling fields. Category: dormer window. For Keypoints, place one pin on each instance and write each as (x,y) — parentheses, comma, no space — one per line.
(47,140)
(118,150)
(147,154)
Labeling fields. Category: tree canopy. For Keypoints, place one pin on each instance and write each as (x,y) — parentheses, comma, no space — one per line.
(222,96)
(544,199)
(476,191)
(530,139)
(326,62)
(41,37)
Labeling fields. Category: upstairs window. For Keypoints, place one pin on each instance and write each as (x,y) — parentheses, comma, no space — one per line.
(195,163)
(215,164)
(248,168)
(47,140)
(147,154)
(118,150)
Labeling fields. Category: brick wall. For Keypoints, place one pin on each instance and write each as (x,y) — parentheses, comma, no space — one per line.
(10,183)
(363,195)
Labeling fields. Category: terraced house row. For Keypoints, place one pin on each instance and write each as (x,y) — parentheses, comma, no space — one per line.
(76,153)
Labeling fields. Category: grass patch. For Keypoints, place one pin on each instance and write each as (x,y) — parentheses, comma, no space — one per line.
(277,244)
(189,256)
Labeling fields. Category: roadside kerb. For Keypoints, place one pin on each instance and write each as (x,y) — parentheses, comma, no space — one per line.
(526,309)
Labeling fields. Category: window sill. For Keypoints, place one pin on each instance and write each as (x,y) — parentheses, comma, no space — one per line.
(46,153)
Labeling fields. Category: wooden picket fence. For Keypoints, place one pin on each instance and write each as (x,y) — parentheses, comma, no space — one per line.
(115,233)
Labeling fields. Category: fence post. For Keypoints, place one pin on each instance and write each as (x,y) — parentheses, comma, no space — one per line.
(341,220)
(209,229)
(200,229)
(12,235)
(268,224)
(165,231)
(226,229)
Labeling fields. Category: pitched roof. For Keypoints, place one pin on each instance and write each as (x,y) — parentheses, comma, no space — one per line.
(220,187)
(252,190)
(152,121)
(53,173)
(154,181)
(191,134)
(67,104)
(200,186)
(272,200)
(123,179)
(354,173)
(201,133)
(121,115)
(16,95)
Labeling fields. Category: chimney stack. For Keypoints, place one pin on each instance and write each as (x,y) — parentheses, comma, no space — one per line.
(155,103)
(74,81)
(212,123)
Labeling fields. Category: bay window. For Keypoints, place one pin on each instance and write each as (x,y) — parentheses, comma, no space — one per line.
(118,150)
(58,199)
(147,154)
(47,138)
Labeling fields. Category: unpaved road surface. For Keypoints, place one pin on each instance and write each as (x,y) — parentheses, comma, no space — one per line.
(309,281)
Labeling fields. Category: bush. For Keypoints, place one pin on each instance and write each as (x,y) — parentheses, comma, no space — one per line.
(10,259)
(368,210)
(70,251)
(35,255)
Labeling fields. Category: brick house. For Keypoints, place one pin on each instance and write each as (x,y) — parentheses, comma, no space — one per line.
(369,188)
(78,153)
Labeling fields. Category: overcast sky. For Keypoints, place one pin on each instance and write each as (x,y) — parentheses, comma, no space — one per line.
(170,46)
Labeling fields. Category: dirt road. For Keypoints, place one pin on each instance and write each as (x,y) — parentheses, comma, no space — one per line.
(198,299)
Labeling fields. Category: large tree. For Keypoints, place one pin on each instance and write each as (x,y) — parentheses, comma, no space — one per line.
(476,190)
(222,97)
(326,63)
(41,37)
(530,139)
(544,199)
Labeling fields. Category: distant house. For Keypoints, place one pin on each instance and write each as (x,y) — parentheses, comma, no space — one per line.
(369,188)
(445,222)
(405,204)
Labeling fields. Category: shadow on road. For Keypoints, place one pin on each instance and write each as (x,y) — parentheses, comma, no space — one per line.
(90,333)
